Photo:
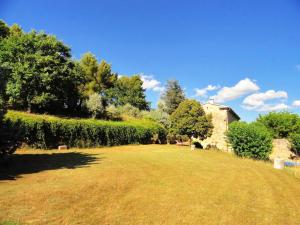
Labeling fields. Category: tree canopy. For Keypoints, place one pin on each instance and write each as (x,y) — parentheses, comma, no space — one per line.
(172,96)
(4,29)
(129,90)
(98,76)
(190,119)
(280,124)
(43,76)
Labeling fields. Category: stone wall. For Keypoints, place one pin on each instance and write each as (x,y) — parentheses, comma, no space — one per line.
(281,149)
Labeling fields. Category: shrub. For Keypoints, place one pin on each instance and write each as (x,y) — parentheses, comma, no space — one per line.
(280,124)
(158,116)
(295,141)
(46,132)
(129,110)
(113,113)
(250,140)
(95,105)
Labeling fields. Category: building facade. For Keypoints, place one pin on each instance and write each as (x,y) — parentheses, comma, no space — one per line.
(222,116)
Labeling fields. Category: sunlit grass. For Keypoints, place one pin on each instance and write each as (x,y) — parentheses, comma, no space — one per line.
(153,184)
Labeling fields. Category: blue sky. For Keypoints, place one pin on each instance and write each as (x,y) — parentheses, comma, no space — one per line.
(246,54)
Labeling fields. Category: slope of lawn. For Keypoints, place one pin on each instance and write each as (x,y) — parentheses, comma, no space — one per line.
(152,184)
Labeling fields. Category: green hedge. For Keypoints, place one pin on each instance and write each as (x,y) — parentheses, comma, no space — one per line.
(250,140)
(42,131)
(295,141)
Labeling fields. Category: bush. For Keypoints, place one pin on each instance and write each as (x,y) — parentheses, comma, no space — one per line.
(46,132)
(113,113)
(158,116)
(129,110)
(250,140)
(95,105)
(295,141)
(280,124)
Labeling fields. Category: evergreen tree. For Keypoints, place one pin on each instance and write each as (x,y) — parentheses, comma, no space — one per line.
(172,96)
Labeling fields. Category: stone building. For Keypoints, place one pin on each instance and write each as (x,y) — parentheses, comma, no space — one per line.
(222,116)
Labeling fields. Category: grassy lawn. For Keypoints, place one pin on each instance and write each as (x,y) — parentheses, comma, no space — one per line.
(150,184)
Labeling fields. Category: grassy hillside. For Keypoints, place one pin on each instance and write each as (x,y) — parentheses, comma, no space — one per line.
(146,184)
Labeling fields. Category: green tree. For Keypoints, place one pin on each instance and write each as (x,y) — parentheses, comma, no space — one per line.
(190,119)
(172,96)
(129,90)
(98,77)
(89,65)
(43,76)
(4,29)
(280,124)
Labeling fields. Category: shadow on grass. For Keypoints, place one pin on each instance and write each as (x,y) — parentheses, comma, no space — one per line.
(20,164)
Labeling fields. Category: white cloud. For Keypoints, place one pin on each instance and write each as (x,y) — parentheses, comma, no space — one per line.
(150,83)
(273,107)
(257,101)
(203,91)
(296,103)
(243,87)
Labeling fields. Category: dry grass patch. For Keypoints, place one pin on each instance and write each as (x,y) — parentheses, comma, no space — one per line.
(152,184)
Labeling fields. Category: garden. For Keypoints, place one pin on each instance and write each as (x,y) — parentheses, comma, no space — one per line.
(122,165)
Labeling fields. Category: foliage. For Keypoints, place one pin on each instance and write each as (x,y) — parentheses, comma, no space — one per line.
(3,79)
(4,29)
(190,119)
(172,96)
(128,90)
(8,137)
(250,140)
(129,110)
(42,131)
(281,124)
(295,141)
(113,113)
(43,76)
(158,116)
(95,105)
(98,77)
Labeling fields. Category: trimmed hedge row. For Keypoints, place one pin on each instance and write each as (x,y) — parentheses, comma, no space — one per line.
(42,131)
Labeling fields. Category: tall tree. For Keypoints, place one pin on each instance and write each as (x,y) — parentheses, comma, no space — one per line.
(43,76)
(98,77)
(172,96)
(89,65)
(129,90)
(190,119)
